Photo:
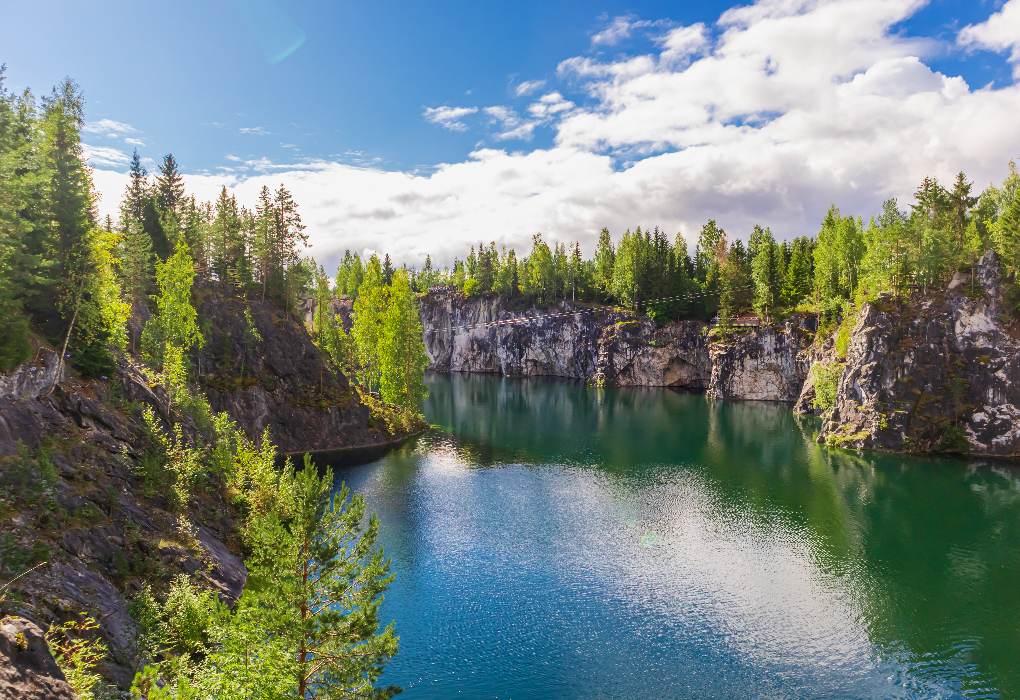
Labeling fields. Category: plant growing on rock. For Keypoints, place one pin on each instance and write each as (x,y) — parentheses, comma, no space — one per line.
(77,654)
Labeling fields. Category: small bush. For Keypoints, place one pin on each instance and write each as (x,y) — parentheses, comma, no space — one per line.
(826,379)
(954,441)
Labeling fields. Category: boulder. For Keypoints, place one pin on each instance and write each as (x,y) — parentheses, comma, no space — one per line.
(28,670)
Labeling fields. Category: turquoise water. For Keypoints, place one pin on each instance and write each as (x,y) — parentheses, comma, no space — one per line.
(552,540)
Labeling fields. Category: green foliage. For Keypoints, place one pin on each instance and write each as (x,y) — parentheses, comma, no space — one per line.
(369,309)
(309,618)
(78,654)
(838,255)
(176,322)
(768,270)
(183,461)
(953,441)
(401,348)
(826,382)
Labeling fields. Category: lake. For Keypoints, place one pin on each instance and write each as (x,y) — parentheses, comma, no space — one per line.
(553,540)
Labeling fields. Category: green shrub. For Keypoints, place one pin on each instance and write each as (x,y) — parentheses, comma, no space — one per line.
(826,379)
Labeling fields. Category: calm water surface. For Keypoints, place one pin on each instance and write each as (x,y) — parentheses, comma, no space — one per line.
(552,540)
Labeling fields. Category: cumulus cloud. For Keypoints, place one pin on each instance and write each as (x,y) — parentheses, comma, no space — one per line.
(107,125)
(135,142)
(448,117)
(257,130)
(511,124)
(104,156)
(528,87)
(1000,32)
(780,109)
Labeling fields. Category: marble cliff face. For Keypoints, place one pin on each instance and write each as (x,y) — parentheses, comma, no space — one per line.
(614,348)
(937,372)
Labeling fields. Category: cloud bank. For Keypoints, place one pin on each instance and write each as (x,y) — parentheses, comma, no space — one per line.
(768,116)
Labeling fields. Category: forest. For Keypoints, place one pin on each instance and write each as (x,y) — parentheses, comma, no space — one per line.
(944,229)
(73,282)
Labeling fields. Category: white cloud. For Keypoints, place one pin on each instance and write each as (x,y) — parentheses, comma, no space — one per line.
(528,87)
(621,27)
(1000,32)
(448,117)
(106,125)
(135,142)
(104,155)
(257,130)
(784,107)
(617,30)
(549,106)
(511,124)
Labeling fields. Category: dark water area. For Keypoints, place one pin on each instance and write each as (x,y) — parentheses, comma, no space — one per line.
(552,540)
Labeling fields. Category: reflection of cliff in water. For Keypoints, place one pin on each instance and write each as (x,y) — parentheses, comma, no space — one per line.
(927,551)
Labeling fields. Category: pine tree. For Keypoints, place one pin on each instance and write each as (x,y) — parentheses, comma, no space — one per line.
(309,616)
(387,270)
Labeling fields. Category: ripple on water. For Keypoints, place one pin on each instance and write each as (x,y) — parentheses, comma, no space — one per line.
(697,552)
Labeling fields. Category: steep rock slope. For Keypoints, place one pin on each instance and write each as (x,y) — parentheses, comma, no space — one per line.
(764,364)
(276,378)
(72,470)
(936,373)
(74,498)
(27,668)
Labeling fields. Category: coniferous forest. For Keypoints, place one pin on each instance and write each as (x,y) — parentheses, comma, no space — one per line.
(72,282)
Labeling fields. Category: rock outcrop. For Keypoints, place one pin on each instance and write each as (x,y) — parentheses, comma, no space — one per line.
(936,373)
(27,668)
(272,376)
(614,348)
(73,471)
(763,364)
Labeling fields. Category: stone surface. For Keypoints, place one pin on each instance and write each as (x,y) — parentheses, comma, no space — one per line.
(281,382)
(613,348)
(27,668)
(935,373)
(764,364)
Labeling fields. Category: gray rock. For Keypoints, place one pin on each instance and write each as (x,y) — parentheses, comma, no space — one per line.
(934,373)
(27,668)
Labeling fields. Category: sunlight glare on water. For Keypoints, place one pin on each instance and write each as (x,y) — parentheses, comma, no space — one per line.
(552,540)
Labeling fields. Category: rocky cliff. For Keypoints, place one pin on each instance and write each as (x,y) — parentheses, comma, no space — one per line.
(77,493)
(274,377)
(614,348)
(74,500)
(934,373)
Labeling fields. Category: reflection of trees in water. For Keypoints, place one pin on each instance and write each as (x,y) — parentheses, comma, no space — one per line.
(926,551)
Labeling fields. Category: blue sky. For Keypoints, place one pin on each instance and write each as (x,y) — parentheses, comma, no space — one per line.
(372,85)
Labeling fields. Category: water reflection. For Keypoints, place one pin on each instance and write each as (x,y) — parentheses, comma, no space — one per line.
(557,541)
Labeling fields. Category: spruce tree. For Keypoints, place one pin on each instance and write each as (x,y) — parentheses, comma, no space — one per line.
(169,186)
(136,193)
(605,258)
